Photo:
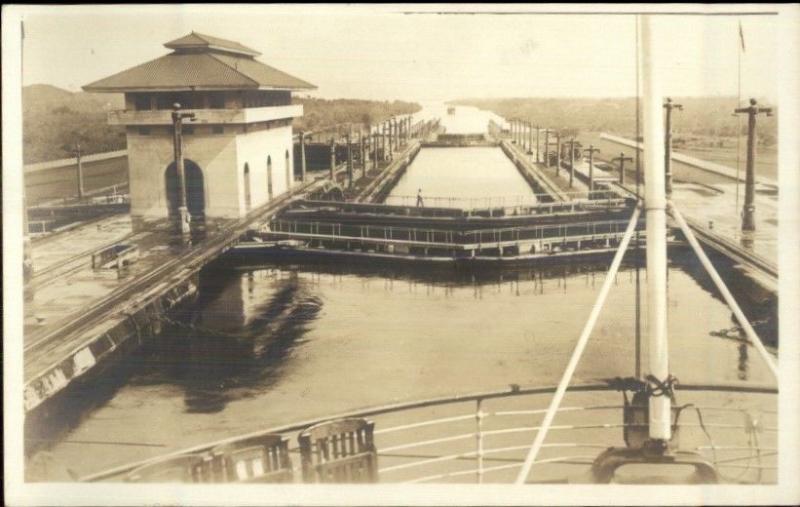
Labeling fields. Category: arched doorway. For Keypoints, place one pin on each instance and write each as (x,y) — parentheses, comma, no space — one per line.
(248,199)
(195,190)
(269,176)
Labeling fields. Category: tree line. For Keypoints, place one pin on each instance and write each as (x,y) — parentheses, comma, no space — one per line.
(55,120)
(701,116)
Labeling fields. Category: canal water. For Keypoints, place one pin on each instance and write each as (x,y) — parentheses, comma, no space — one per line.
(272,344)
(462,178)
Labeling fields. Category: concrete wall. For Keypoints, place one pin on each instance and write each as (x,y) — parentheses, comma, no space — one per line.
(253,148)
(221,157)
(59,178)
(150,155)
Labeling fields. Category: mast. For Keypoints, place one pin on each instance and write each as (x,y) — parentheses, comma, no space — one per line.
(655,206)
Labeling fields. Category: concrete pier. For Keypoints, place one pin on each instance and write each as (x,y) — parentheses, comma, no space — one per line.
(75,322)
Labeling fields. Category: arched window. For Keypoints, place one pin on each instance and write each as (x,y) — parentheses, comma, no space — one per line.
(248,200)
(269,177)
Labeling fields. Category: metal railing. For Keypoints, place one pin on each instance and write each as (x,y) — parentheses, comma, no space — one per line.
(444,237)
(480,435)
(504,201)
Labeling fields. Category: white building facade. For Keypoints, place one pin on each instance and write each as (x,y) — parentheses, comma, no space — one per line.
(238,148)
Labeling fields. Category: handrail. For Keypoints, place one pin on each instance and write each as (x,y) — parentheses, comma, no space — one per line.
(446,236)
(532,199)
(419,404)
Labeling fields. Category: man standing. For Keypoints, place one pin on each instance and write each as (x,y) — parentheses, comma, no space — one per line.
(419,199)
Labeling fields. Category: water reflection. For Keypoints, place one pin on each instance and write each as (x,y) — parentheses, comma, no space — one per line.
(235,342)
(743,361)
(269,345)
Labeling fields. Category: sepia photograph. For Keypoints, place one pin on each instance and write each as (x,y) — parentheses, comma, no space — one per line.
(395,254)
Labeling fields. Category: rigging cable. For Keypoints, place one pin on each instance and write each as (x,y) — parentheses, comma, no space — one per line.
(637,251)
(738,116)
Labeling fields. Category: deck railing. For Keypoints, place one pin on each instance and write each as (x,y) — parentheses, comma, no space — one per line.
(477,437)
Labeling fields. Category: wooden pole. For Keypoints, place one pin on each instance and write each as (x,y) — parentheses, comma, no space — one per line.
(333,160)
(302,156)
(350,156)
(668,106)
(591,150)
(558,152)
(749,210)
(571,161)
(622,159)
(546,147)
(80,170)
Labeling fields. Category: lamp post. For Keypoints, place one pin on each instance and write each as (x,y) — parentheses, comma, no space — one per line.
(177,124)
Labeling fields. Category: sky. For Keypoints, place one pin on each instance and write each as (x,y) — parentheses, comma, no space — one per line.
(383,54)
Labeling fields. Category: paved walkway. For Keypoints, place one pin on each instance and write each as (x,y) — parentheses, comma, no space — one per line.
(711,205)
(716,209)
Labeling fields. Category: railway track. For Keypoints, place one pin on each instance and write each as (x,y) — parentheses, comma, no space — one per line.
(167,275)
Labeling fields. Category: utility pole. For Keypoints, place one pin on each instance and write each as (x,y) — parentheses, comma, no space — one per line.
(748,212)
(572,144)
(546,147)
(591,150)
(77,153)
(363,152)
(383,140)
(558,152)
(177,123)
(375,150)
(391,138)
(530,138)
(349,156)
(622,159)
(333,160)
(669,106)
(302,156)
(537,143)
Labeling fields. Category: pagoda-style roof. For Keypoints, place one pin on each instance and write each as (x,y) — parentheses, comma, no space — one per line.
(200,41)
(201,62)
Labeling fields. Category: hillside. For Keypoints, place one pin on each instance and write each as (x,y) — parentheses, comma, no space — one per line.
(701,116)
(55,119)
(321,112)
